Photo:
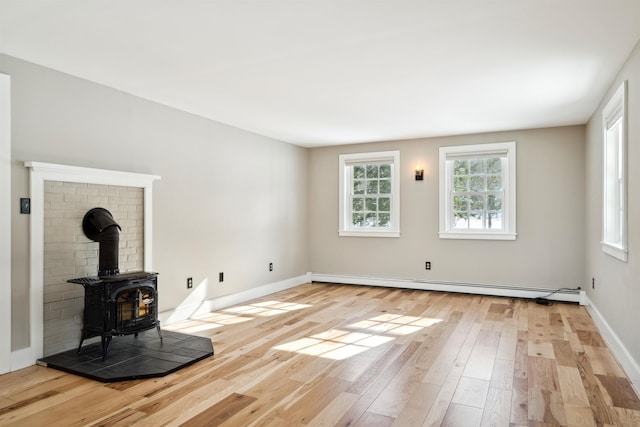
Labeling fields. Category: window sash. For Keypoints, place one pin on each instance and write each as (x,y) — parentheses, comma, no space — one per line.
(367,211)
(614,203)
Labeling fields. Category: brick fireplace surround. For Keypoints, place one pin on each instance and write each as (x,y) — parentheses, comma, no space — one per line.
(68,253)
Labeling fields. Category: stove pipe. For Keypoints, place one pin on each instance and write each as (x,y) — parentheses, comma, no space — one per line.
(99,226)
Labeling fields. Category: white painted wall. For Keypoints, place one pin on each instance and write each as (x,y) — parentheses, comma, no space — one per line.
(229,201)
(548,251)
(617,284)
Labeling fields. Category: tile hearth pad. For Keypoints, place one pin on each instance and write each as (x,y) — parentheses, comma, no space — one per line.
(133,357)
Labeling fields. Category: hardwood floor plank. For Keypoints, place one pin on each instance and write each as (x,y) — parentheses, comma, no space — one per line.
(315,400)
(221,411)
(571,387)
(419,403)
(502,375)
(621,392)
(497,409)
(471,392)
(461,415)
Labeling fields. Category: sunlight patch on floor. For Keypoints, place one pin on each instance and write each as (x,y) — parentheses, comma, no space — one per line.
(267,308)
(339,344)
(233,315)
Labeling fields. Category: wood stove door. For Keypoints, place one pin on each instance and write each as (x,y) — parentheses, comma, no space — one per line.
(135,309)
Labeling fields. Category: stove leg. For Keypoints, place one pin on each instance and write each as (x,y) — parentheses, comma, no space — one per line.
(106,340)
(159,331)
(84,336)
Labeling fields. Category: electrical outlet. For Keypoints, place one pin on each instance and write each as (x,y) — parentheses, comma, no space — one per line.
(270,266)
(189,282)
(221,277)
(427,265)
(593,283)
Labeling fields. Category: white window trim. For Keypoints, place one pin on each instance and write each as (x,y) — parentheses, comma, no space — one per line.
(509,209)
(344,183)
(615,108)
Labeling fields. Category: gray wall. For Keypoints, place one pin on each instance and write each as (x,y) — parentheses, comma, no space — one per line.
(229,201)
(548,252)
(617,284)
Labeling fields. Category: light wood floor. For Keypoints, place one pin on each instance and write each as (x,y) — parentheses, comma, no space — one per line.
(359,356)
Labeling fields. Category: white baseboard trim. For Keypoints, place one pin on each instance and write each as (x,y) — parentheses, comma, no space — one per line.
(466,288)
(22,358)
(630,366)
(185,312)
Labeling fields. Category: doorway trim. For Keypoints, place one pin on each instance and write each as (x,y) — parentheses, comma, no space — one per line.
(5,221)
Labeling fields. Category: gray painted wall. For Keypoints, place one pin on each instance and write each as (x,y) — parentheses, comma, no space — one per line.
(617,284)
(548,252)
(229,201)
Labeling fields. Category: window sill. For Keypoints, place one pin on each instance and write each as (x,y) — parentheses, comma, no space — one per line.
(614,251)
(368,233)
(477,236)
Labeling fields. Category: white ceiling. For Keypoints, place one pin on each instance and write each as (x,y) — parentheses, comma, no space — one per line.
(340,71)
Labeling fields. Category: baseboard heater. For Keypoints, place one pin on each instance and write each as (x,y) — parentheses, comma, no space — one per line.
(576,296)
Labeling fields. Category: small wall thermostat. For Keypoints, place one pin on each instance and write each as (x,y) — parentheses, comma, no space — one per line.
(25,205)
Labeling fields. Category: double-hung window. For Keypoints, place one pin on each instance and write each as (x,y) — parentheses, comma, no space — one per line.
(370,194)
(614,215)
(477,191)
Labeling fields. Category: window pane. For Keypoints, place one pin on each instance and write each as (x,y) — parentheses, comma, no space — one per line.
(476,183)
(460,167)
(476,220)
(372,187)
(371,219)
(385,186)
(460,183)
(476,166)
(494,165)
(358,187)
(461,203)
(384,220)
(460,220)
(372,171)
(494,202)
(358,172)
(384,204)
(385,171)
(477,203)
(358,204)
(494,220)
(358,219)
(372,204)
(494,182)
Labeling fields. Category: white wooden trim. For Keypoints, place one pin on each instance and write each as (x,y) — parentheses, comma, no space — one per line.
(186,311)
(344,178)
(5,223)
(509,184)
(467,288)
(615,108)
(41,172)
(615,344)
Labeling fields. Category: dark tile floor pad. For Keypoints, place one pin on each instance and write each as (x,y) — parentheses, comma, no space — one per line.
(133,357)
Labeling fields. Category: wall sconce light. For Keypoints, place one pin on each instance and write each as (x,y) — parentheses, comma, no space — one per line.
(419,173)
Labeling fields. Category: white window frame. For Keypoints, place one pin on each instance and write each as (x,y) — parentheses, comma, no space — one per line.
(614,175)
(345,163)
(506,149)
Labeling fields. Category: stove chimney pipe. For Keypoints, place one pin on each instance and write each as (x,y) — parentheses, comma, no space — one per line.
(99,226)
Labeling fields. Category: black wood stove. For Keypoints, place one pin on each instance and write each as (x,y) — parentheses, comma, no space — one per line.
(115,304)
